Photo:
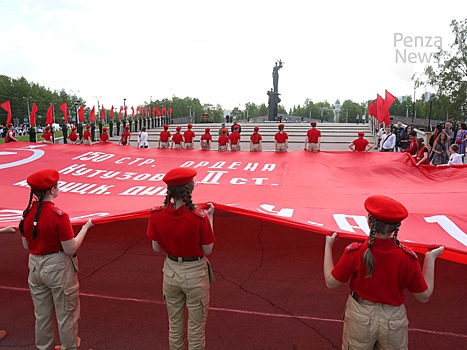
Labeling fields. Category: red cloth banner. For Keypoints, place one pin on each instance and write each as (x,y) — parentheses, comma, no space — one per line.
(6,106)
(388,101)
(112,112)
(49,117)
(81,114)
(64,108)
(379,108)
(92,116)
(34,110)
(317,192)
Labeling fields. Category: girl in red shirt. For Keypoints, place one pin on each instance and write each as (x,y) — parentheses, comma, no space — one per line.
(379,271)
(281,139)
(53,265)
(206,139)
(423,154)
(185,234)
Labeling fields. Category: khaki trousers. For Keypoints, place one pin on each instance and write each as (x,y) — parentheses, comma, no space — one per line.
(53,282)
(222,148)
(164,145)
(188,145)
(312,147)
(281,147)
(370,325)
(255,147)
(186,283)
(235,147)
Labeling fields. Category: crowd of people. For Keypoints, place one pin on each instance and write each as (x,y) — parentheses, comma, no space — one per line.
(446,146)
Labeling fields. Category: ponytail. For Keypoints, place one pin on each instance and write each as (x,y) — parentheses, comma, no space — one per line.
(25,212)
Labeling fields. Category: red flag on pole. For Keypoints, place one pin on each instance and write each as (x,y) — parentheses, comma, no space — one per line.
(164,111)
(102,113)
(379,108)
(388,101)
(49,117)
(81,114)
(6,106)
(112,112)
(92,116)
(34,110)
(132,111)
(64,108)
(170,111)
(121,109)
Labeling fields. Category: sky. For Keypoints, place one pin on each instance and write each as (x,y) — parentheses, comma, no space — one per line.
(223,52)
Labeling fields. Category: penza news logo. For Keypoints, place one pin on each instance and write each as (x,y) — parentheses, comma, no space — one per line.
(416,49)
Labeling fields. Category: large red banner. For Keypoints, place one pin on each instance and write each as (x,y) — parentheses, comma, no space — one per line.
(318,192)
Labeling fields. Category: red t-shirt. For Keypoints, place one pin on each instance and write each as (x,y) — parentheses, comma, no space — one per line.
(180,232)
(73,136)
(255,138)
(280,137)
(206,137)
(165,136)
(313,134)
(395,270)
(47,136)
(177,138)
(234,137)
(420,155)
(124,137)
(87,135)
(53,227)
(223,140)
(189,135)
(360,144)
(104,137)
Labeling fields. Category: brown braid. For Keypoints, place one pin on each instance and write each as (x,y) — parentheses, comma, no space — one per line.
(368,255)
(180,192)
(25,212)
(377,226)
(40,196)
(396,231)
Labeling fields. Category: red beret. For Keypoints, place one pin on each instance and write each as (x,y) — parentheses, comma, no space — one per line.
(47,128)
(361,133)
(385,209)
(281,125)
(43,180)
(105,129)
(224,130)
(236,126)
(179,176)
(207,129)
(88,126)
(256,128)
(313,123)
(190,126)
(178,128)
(166,126)
(73,128)
(127,127)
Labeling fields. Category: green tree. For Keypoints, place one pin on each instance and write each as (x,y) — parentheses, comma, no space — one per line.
(448,77)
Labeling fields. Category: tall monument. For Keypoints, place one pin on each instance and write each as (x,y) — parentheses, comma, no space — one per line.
(273,94)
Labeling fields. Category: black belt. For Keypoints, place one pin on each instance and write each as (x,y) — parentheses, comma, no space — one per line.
(356,297)
(53,253)
(180,259)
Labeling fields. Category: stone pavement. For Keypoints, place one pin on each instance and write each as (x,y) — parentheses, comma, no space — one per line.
(335,137)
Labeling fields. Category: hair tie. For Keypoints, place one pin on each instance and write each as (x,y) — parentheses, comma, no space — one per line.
(22,218)
(35,223)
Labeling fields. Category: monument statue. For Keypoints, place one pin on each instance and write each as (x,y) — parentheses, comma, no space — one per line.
(275,75)
(273,94)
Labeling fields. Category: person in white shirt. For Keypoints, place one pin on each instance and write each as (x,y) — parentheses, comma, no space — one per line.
(143,139)
(455,158)
(388,141)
